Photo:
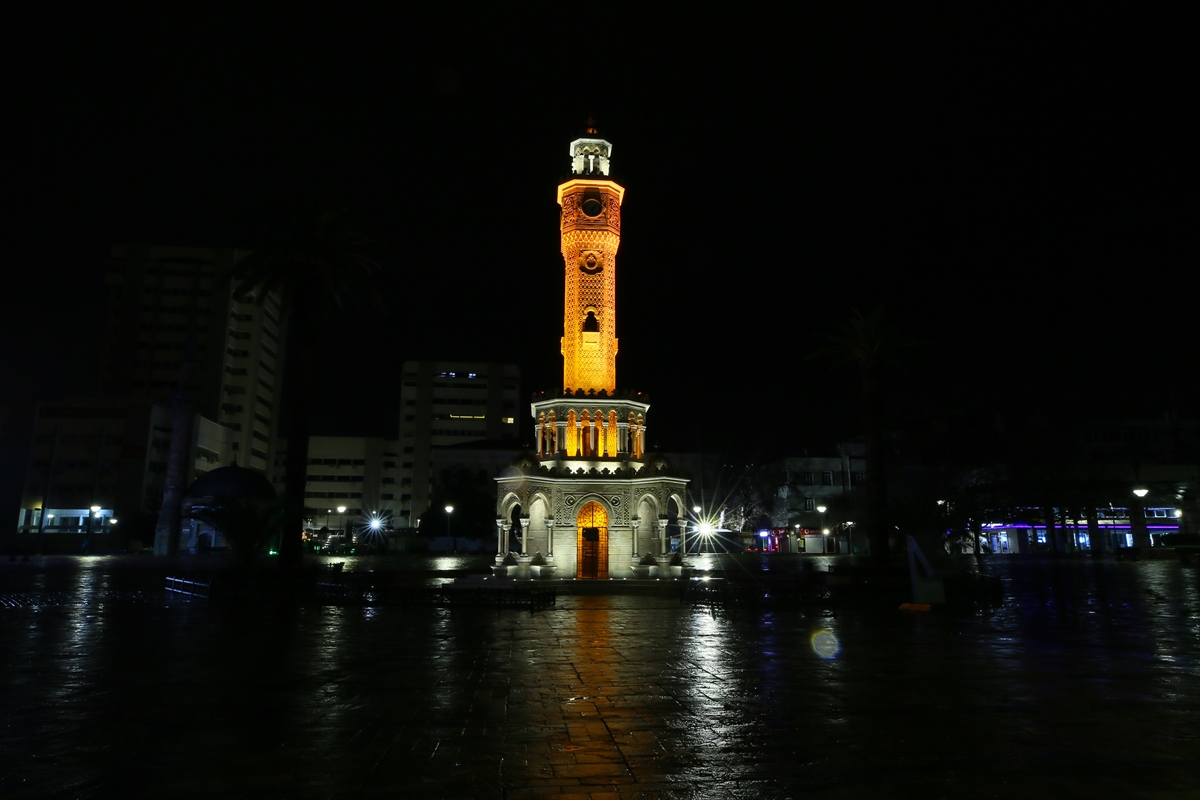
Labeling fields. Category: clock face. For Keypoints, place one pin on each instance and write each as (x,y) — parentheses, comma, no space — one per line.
(590,264)
(592,207)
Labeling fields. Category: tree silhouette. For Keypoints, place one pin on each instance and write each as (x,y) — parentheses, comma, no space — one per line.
(872,344)
(313,261)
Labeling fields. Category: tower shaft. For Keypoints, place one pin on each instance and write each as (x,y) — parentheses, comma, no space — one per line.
(590,233)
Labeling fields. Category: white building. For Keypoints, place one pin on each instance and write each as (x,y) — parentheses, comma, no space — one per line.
(165,302)
(358,473)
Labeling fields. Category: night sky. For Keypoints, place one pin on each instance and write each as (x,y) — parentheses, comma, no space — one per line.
(1011,189)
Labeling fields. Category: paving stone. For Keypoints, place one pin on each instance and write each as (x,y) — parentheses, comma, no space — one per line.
(1082,682)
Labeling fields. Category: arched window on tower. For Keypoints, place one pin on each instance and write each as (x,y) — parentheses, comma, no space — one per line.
(591,331)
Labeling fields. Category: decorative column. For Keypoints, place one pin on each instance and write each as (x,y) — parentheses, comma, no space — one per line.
(662,536)
(560,445)
(499,539)
(521,528)
(549,538)
(633,525)
(683,538)
(541,426)
(622,438)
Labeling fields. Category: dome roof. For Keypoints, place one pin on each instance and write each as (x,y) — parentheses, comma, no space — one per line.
(233,482)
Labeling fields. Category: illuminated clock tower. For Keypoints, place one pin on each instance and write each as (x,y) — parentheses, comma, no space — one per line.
(590,231)
(588,501)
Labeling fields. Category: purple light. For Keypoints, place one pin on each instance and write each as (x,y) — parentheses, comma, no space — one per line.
(1084,530)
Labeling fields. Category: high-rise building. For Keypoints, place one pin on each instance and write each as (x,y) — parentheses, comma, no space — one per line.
(359,474)
(167,302)
(444,403)
(590,499)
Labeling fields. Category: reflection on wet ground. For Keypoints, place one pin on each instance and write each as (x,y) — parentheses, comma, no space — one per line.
(1086,680)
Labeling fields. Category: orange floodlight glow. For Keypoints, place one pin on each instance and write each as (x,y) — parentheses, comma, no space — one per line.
(590,233)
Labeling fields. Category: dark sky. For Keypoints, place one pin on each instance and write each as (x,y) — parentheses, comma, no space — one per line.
(1012,189)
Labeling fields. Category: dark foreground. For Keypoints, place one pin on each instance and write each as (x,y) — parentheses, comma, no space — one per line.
(1085,681)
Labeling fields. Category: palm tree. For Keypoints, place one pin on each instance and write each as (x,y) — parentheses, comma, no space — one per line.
(314,262)
(871,343)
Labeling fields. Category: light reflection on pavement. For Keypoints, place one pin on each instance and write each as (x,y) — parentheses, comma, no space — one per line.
(1086,680)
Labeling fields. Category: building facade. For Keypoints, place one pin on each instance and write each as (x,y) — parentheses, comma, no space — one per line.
(588,499)
(821,500)
(448,403)
(166,304)
(95,470)
(352,482)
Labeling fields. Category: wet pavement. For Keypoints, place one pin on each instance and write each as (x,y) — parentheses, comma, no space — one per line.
(1084,681)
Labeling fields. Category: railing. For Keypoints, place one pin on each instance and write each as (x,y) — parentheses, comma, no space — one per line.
(188,587)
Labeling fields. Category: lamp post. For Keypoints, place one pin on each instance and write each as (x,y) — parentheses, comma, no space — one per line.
(824,531)
(453,539)
(90,528)
(1137,519)
(342,522)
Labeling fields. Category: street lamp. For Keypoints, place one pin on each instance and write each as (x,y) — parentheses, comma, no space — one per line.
(453,539)
(1137,520)
(342,522)
(824,531)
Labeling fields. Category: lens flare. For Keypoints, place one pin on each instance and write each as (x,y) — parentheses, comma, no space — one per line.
(826,645)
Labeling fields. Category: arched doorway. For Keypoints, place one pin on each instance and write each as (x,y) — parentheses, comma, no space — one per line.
(592,542)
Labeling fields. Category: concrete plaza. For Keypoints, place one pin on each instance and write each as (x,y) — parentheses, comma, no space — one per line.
(1084,681)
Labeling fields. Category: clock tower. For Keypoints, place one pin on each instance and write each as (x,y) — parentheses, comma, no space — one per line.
(588,501)
(590,231)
